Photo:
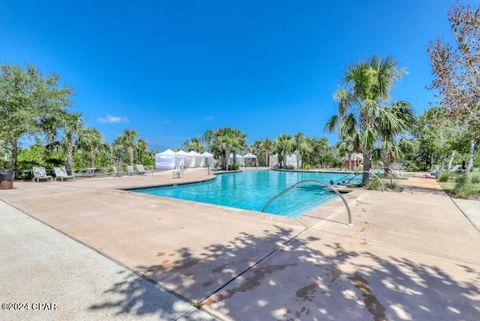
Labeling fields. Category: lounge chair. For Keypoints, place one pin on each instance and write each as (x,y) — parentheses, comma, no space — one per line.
(141,170)
(61,174)
(116,172)
(39,173)
(130,170)
(178,173)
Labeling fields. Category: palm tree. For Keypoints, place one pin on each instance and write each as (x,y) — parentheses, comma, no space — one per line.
(363,110)
(194,144)
(128,141)
(72,124)
(267,146)
(302,148)
(90,141)
(143,156)
(284,146)
(346,147)
(227,140)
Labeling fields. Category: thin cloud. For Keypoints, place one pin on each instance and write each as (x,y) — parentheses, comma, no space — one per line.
(110,119)
(208,118)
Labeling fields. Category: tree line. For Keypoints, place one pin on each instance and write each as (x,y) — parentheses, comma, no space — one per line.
(35,107)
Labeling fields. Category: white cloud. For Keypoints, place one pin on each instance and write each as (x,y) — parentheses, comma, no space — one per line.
(110,119)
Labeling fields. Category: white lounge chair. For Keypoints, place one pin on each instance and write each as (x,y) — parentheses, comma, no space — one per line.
(61,174)
(130,170)
(39,173)
(141,170)
(116,172)
(178,173)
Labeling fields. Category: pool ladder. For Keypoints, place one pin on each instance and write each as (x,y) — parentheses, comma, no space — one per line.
(331,188)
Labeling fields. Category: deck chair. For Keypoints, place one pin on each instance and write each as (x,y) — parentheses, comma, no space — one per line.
(178,173)
(130,170)
(61,174)
(116,172)
(39,173)
(142,171)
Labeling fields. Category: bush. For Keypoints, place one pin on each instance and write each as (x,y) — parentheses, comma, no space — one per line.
(443,177)
(466,190)
(475,179)
(460,181)
(233,167)
(374,184)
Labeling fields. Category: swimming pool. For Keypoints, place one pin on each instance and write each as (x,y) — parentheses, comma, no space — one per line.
(251,189)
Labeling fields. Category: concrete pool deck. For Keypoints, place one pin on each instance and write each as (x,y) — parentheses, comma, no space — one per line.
(410,255)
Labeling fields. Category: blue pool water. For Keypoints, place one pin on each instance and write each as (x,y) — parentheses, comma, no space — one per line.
(251,189)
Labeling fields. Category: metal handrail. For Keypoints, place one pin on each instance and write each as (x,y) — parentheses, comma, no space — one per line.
(370,173)
(344,177)
(333,189)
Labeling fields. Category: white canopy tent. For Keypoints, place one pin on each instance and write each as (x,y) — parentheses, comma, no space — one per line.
(188,160)
(250,158)
(239,161)
(291,160)
(199,159)
(168,160)
(208,159)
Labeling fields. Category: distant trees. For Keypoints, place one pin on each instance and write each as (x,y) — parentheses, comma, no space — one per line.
(194,144)
(284,145)
(364,111)
(27,98)
(223,142)
(456,71)
(35,106)
(92,144)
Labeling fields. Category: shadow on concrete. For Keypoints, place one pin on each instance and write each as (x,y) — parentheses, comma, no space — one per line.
(310,278)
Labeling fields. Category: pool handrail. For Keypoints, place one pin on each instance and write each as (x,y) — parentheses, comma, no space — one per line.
(330,187)
(370,173)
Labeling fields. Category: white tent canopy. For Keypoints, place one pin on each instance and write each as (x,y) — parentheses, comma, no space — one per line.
(249,155)
(239,161)
(168,160)
(199,159)
(291,160)
(208,159)
(188,159)
(250,158)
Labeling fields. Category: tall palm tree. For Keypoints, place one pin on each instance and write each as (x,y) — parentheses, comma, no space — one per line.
(90,142)
(267,146)
(128,142)
(363,111)
(302,148)
(346,147)
(143,156)
(227,140)
(284,146)
(71,124)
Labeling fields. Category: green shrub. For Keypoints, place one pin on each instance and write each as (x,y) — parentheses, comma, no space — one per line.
(443,177)
(475,179)
(466,190)
(233,167)
(460,180)
(374,184)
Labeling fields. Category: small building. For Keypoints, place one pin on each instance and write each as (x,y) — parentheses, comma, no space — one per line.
(355,159)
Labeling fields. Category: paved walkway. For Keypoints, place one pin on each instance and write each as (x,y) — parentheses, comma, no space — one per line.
(471,209)
(41,265)
(410,255)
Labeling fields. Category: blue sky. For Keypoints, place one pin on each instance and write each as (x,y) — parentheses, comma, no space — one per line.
(172,69)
